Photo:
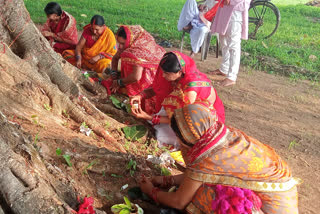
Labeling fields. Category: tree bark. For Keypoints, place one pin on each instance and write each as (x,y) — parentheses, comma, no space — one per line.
(33,75)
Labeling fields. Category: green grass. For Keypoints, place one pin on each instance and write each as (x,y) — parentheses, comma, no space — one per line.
(289,2)
(297,37)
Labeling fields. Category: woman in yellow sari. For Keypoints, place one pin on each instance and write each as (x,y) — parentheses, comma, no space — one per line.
(227,171)
(96,47)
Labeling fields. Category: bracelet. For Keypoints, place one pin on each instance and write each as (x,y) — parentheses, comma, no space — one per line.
(78,57)
(155,119)
(120,83)
(101,56)
(154,192)
(113,73)
(167,181)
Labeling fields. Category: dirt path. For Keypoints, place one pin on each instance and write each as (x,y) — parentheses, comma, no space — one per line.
(282,114)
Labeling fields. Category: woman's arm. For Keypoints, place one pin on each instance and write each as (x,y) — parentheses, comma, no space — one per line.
(179,199)
(134,76)
(115,61)
(59,39)
(192,96)
(79,47)
(176,180)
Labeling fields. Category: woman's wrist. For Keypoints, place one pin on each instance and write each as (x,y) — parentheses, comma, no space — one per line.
(120,83)
(155,120)
(78,57)
(154,194)
(101,56)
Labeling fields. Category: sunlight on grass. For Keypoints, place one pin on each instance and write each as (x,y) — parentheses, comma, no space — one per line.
(297,37)
(289,2)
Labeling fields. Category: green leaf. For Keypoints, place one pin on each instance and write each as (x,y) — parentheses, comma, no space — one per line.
(34,116)
(67,158)
(116,176)
(165,171)
(118,207)
(115,101)
(47,107)
(36,138)
(90,165)
(134,132)
(58,151)
(127,201)
(125,211)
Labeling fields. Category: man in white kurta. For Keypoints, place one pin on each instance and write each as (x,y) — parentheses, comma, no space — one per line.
(231,22)
(190,16)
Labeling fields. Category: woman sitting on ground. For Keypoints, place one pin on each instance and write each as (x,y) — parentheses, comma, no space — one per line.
(178,82)
(60,28)
(140,56)
(96,47)
(227,171)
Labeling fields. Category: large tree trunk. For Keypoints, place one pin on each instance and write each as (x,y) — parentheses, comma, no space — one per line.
(33,179)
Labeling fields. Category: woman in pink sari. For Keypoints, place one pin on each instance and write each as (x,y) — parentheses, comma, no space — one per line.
(140,56)
(178,82)
(60,28)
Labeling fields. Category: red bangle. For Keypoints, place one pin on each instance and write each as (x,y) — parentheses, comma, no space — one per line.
(167,181)
(155,119)
(154,192)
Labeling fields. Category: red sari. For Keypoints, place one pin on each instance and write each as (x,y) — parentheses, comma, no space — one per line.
(65,29)
(140,50)
(172,95)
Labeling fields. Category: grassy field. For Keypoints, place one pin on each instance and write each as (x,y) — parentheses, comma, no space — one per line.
(297,38)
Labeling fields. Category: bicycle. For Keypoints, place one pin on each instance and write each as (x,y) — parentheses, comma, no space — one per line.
(264,19)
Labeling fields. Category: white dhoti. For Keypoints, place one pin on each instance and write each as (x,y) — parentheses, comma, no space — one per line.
(190,15)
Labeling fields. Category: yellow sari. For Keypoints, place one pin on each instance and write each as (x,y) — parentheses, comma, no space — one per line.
(105,45)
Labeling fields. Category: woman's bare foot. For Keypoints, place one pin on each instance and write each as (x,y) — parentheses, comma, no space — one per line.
(217,72)
(192,54)
(227,82)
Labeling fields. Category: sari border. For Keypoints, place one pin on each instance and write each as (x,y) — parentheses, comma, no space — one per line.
(192,209)
(237,182)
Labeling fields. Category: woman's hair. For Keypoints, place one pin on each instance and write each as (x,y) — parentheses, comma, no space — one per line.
(176,130)
(97,20)
(53,8)
(122,33)
(170,63)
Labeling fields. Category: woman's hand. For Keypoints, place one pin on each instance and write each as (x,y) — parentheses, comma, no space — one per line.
(226,2)
(47,34)
(145,185)
(94,59)
(135,99)
(78,63)
(115,86)
(157,180)
(139,113)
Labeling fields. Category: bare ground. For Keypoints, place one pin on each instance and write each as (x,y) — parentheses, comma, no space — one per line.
(278,112)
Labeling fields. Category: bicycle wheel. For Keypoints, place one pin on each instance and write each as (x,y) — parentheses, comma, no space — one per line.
(264,19)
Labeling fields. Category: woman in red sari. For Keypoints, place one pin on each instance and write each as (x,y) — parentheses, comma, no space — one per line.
(140,56)
(178,82)
(60,28)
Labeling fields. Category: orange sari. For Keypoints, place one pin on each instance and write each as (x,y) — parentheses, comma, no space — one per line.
(227,156)
(105,45)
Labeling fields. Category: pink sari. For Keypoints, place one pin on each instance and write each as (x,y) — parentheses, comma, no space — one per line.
(65,29)
(171,95)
